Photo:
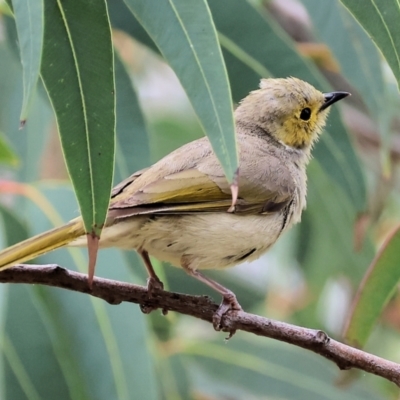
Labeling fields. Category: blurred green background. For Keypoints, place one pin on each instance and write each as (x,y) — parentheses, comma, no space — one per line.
(64,345)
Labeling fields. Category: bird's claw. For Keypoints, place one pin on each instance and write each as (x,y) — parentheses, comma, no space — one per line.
(229,303)
(154,285)
(146,308)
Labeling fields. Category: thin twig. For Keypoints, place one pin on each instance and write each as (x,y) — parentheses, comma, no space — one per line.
(203,307)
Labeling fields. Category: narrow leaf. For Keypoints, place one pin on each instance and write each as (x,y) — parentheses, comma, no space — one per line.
(77,70)
(185,34)
(280,57)
(121,18)
(265,366)
(359,59)
(132,149)
(14,229)
(375,291)
(7,155)
(30,144)
(247,62)
(380,18)
(29,18)
(328,206)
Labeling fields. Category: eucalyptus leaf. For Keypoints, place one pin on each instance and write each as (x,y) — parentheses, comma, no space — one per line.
(29,18)
(86,349)
(132,150)
(77,70)
(269,46)
(184,32)
(29,144)
(266,368)
(380,18)
(7,154)
(378,285)
(359,59)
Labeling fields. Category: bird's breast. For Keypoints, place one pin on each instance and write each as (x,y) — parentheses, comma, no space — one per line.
(214,240)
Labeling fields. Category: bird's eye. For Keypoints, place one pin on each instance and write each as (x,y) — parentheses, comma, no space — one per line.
(305,114)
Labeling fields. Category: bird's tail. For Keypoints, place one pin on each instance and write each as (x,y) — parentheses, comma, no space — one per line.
(41,244)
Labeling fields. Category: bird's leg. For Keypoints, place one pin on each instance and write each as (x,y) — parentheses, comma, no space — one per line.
(229,301)
(153,282)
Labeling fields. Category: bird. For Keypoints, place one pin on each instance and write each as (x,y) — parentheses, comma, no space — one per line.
(180,209)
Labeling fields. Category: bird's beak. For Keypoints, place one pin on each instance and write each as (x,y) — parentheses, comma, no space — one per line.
(333,97)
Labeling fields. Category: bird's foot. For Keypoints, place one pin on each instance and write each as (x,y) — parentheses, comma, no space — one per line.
(229,304)
(154,286)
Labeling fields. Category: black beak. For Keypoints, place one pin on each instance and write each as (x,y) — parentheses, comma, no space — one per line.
(333,97)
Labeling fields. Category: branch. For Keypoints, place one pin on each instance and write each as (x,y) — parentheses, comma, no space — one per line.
(203,307)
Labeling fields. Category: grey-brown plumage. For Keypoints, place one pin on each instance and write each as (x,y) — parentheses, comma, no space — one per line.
(177,210)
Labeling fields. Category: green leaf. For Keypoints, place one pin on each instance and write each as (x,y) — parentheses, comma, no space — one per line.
(327,228)
(14,229)
(380,18)
(359,58)
(121,18)
(7,154)
(247,62)
(21,372)
(114,338)
(77,70)
(49,341)
(280,57)
(29,144)
(167,133)
(375,290)
(244,69)
(29,18)
(27,388)
(132,149)
(185,34)
(325,238)
(89,349)
(265,368)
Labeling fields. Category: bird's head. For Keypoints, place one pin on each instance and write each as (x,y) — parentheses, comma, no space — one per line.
(290,110)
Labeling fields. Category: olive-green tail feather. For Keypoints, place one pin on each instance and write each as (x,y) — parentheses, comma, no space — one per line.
(41,244)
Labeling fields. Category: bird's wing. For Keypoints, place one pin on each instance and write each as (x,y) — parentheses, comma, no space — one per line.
(126,182)
(173,192)
(191,180)
(191,191)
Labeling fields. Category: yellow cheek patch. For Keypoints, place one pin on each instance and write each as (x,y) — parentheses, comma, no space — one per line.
(297,140)
(298,133)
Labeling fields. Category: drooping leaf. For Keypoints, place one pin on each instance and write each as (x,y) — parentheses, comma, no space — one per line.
(375,290)
(29,18)
(115,338)
(7,154)
(247,61)
(132,149)
(105,357)
(77,70)
(267,43)
(185,35)
(325,250)
(132,144)
(264,368)
(316,240)
(29,143)
(122,18)
(13,228)
(380,18)
(359,59)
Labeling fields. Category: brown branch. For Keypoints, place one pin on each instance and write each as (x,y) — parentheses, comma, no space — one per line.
(202,307)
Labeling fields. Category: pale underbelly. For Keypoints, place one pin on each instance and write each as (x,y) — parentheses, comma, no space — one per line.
(201,241)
